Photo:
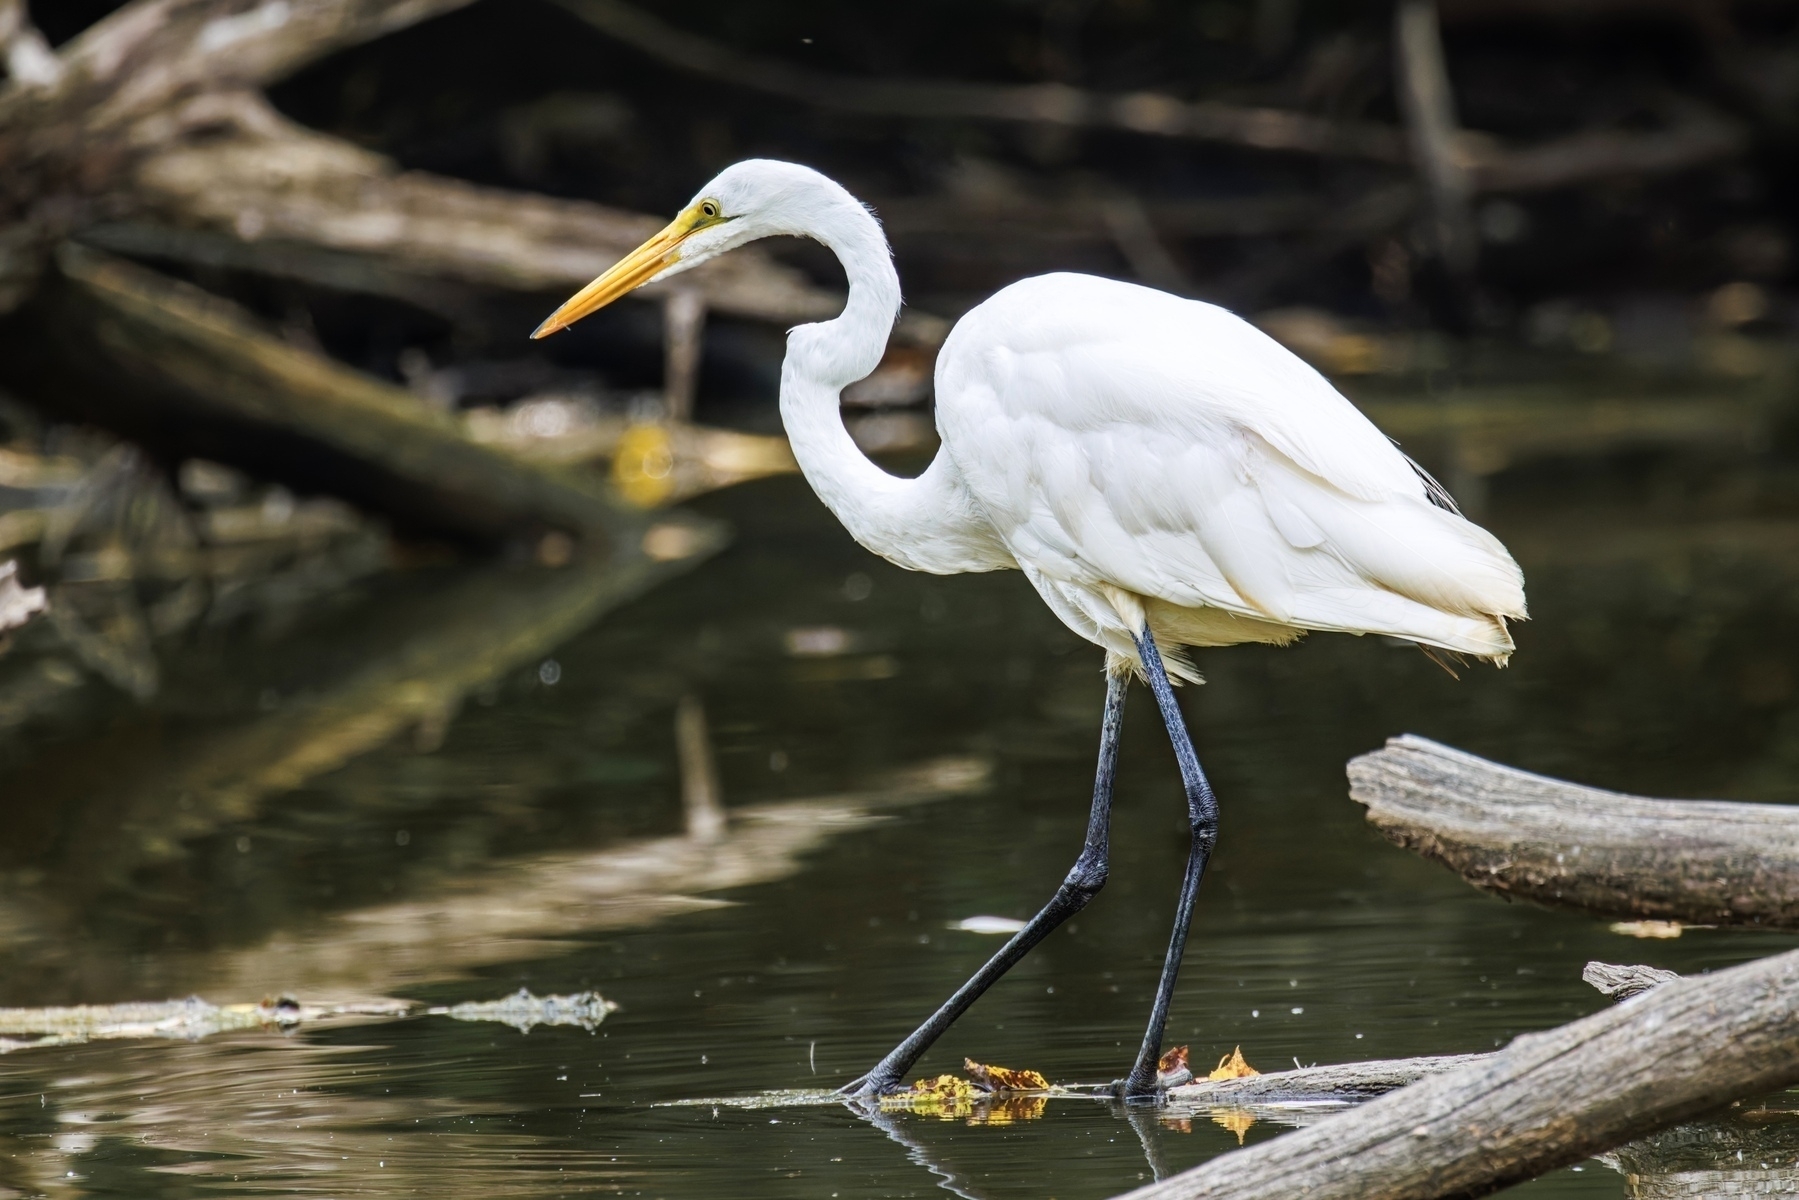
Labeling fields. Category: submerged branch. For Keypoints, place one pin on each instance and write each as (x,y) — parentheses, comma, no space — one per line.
(194,1018)
(1519,834)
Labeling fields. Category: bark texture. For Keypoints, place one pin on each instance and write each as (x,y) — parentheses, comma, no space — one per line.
(1704,862)
(1346,1082)
(1546,1100)
(153,117)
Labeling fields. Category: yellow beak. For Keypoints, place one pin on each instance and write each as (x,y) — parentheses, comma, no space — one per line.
(629,273)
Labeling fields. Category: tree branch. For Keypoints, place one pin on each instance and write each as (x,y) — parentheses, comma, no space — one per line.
(1047,103)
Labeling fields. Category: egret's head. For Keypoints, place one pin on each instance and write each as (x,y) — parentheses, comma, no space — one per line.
(754,199)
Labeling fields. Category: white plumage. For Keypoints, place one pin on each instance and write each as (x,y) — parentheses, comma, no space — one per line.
(1135,454)
(1122,439)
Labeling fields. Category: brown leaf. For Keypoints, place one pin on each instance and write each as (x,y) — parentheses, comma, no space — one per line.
(1232,1066)
(1004,1079)
(1174,1060)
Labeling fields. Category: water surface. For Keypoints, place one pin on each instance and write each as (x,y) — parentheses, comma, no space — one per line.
(455,783)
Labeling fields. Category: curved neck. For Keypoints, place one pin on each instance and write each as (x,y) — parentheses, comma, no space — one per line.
(917,523)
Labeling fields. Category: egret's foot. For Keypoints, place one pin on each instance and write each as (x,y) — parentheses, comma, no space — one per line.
(1132,1091)
(870,1087)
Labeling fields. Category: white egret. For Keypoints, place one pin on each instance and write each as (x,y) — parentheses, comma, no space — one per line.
(1164,474)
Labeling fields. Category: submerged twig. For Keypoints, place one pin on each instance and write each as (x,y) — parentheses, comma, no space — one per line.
(193,1018)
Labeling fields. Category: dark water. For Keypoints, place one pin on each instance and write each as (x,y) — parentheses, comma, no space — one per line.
(453,785)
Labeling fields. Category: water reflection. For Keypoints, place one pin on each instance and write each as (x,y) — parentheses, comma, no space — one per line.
(464,786)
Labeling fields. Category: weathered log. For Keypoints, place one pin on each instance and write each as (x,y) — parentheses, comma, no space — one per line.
(1546,1100)
(188,373)
(120,90)
(1509,831)
(263,193)
(151,123)
(1621,982)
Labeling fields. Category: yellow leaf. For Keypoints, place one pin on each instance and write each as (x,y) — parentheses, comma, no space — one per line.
(1004,1079)
(1232,1066)
(946,1097)
(1234,1119)
(643,465)
(1004,1110)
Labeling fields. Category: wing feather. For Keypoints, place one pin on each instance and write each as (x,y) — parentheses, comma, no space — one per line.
(1118,435)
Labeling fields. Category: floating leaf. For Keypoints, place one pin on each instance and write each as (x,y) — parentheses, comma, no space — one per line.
(1647,929)
(1004,1110)
(1232,1066)
(1003,1079)
(946,1096)
(946,1086)
(1234,1119)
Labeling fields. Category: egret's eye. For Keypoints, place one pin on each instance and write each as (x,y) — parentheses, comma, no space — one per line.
(709,209)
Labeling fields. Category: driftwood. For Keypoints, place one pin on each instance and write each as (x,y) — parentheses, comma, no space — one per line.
(1519,834)
(1621,982)
(1581,158)
(125,85)
(149,124)
(195,1018)
(262,193)
(223,389)
(1546,1100)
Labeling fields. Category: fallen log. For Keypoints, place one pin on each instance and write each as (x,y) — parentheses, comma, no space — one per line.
(265,194)
(1545,1101)
(1508,831)
(190,374)
(117,91)
(149,123)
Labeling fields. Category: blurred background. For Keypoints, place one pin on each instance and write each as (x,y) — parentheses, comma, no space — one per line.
(354,648)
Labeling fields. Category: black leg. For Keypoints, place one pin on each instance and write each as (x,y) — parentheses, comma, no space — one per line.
(1202,817)
(1082,883)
